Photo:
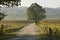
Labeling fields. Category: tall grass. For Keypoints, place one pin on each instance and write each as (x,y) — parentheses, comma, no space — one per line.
(44,29)
(10,27)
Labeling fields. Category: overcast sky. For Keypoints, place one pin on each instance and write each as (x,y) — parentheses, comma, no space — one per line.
(44,3)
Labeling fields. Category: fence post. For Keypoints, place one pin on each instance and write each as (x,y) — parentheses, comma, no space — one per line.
(2,29)
(50,34)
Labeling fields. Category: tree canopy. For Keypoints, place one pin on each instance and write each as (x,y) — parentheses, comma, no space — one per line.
(10,3)
(35,13)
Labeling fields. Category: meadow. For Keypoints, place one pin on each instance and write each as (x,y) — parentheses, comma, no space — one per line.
(10,28)
(44,29)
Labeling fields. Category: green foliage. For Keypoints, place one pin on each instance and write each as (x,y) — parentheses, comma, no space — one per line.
(2,15)
(10,3)
(35,13)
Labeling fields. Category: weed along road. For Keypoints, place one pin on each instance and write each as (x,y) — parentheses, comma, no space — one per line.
(29,32)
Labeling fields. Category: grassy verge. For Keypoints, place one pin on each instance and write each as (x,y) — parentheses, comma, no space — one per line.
(47,37)
(7,36)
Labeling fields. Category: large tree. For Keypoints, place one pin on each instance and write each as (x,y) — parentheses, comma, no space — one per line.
(10,3)
(35,13)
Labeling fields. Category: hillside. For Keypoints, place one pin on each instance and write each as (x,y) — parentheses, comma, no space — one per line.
(20,13)
(53,13)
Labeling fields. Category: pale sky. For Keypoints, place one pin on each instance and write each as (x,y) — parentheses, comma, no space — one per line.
(44,3)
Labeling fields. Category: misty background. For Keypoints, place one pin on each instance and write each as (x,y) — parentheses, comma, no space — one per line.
(19,13)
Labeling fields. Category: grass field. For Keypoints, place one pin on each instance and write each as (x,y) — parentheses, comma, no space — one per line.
(10,27)
(44,29)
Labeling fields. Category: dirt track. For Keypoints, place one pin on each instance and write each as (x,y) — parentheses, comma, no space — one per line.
(27,32)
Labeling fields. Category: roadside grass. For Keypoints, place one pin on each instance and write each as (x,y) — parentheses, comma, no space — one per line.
(46,37)
(10,28)
(44,29)
(7,36)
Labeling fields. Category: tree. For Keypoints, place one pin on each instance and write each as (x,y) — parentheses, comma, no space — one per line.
(2,15)
(10,3)
(35,13)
